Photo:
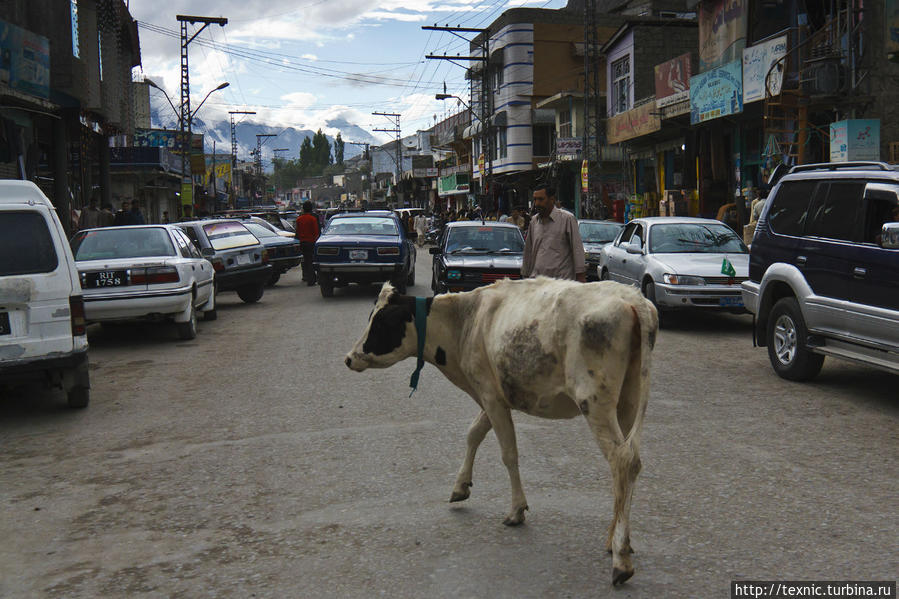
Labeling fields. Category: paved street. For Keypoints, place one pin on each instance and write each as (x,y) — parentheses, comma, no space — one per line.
(251,463)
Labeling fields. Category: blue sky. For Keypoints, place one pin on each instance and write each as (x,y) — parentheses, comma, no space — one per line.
(302,63)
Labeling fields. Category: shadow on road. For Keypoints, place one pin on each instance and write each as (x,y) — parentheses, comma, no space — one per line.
(706,322)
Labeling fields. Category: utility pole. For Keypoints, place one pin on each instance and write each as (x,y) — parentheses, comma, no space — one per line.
(485,98)
(234,150)
(186,132)
(371,169)
(594,124)
(399,148)
(259,137)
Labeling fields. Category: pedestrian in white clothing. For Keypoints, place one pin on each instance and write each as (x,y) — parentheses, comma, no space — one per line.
(421,228)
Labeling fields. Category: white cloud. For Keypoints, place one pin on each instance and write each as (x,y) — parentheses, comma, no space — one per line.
(309,56)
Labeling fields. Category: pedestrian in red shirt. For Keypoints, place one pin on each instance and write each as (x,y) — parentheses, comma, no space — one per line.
(307,233)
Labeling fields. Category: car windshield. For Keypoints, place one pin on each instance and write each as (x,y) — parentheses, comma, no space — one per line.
(224,236)
(362,225)
(103,244)
(484,240)
(598,232)
(260,231)
(682,238)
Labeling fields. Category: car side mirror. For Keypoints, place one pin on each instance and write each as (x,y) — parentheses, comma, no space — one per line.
(890,236)
(434,251)
(208,252)
(633,247)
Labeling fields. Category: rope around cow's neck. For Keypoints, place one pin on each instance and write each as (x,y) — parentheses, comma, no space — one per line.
(421,326)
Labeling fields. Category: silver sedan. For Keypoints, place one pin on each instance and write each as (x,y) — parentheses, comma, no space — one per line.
(679,262)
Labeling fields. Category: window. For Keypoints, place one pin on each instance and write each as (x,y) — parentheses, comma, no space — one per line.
(621,83)
(26,246)
(789,209)
(76,46)
(497,78)
(565,123)
(500,146)
(542,139)
(834,211)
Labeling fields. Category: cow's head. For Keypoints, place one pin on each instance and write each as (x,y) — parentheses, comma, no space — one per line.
(390,335)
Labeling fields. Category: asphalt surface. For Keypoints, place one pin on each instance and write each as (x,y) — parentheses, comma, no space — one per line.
(251,462)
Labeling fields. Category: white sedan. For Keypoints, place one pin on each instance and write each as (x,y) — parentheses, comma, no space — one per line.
(139,272)
(679,262)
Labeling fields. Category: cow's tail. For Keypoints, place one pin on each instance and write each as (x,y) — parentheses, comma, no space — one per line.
(643,338)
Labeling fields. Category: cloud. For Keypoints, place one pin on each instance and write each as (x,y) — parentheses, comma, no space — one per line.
(309,56)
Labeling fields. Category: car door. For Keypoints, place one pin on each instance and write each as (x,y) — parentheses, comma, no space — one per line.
(634,265)
(193,266)
(874,295)
(824,251)
(616,254)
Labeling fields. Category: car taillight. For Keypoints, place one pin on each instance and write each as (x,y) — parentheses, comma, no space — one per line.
(265,256)
(391,251)
(327,251)
(158,274)
(76,309)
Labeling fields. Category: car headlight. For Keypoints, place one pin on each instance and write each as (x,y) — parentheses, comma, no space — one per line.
(672,279)
(453,275)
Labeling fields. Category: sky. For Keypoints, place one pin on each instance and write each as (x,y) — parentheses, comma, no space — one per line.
(303,63)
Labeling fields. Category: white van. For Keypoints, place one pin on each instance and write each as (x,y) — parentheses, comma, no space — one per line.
(42,327)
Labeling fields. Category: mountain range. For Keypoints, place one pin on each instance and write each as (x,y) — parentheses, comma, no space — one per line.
(247,130)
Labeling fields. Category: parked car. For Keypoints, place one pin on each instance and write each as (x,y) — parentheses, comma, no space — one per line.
(43,334)
(824,270)
(679,262)
(144,273)
(470,254)
(595,234)
(364,247)
(283,251)
(238,257)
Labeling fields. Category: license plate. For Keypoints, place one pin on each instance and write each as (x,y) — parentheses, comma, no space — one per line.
(243,259)
(5,329)
(732,302)
(358,254)
(106,278)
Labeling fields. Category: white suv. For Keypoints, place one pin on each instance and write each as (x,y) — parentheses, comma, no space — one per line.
(42,326)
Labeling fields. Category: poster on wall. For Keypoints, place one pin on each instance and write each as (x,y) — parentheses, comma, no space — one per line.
(24,60)
(716,93)
(673,81)
(761,61)
(722,32)
(855,139)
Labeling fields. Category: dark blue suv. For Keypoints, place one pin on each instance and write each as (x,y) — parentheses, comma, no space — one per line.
(824,268)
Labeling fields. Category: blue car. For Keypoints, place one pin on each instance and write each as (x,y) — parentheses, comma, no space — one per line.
(364,247)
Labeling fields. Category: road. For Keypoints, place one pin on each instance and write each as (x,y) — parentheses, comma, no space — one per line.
(251,463)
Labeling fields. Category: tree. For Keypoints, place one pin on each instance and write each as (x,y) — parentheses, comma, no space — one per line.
(322,151)
(338,150)
(307,158)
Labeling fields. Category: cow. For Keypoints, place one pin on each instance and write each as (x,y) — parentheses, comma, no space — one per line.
(545,347)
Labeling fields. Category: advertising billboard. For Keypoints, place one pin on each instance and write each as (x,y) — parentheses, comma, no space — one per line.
(24,60)
(673,81)
(716,93)
(722,32)
(758,61)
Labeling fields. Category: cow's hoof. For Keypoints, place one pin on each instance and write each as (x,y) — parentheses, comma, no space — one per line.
(620,576)
(462,495)
(517,519)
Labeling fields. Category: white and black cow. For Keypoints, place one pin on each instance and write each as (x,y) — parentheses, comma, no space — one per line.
(546,347)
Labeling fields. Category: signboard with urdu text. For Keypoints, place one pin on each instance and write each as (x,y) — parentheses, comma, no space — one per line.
(716,93)
(722,32)
(24,60)
(758,61)
(633,123)
(855,139)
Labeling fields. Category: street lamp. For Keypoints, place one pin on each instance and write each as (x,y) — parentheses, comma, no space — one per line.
(461,101)
(152,83)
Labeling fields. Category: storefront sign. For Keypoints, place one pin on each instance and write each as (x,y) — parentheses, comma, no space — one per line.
(856,139)
(481,172)
(24,60)
(453,184)
(673,81)
(222,165)
(633,123)
(569,145)
(722,32)
(585,177)
(716,93)
(891,14)
(158,138)
(758,61)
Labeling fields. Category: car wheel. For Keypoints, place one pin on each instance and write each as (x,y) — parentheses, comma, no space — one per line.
(649,292)
(251,294)
(604,275)
(188,330)
(787,336)
(411,280)
(327,290)
(78,397)
(273,279)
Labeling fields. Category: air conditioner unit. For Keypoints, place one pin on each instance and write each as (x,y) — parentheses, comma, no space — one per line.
(825,77)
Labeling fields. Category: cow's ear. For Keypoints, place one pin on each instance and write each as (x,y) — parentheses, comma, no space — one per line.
(387,290)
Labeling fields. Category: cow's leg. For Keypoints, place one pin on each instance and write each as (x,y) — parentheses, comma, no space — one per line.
(501,420)
(601,415)
(476,433)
